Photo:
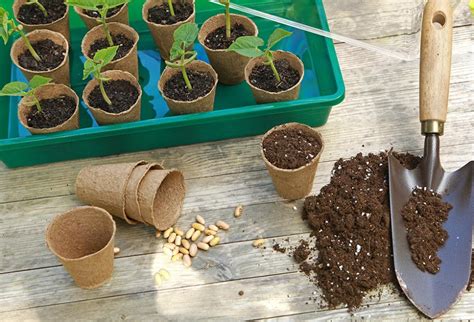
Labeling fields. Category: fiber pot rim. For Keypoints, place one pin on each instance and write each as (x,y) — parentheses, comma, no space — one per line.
(81,13)
(168,69)
(288,126)
(79,209)
(45,88)
(20,41)
(257,60)
(202,37)
(136,39)
(16,8)
(148,3)
(93,82)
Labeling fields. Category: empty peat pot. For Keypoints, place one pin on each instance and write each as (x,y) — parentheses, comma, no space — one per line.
(291,153)
(203,103)
(31,17)
(118,14)
(83,240)
(126,83)
(163,32)
(42,41)
(95,40)
(49,95)
(267,96)
(228,65)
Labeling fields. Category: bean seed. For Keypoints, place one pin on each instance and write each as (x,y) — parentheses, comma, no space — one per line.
(210,232)
(187,260)
(239,210)
(200,220)
(177,257)
(172,238)
(184,251)
(185,243)
(168,232)
(164,273)
(168,251)
(215,241)
(177,241)
(116,250)
(170,246)
(178,231)
(190,233)
(203,246)
(158,279)
(193,250)
(198,226)
(258,243)
(196,235)
(222,225)
(213,227)
(158,234)
(176,251)
(207,239)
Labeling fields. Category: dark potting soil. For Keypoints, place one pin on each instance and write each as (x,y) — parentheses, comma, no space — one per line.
(424,215)
(202,83)
(263,77)
(32,14)
(54,111)
(95,14)
(290,148)
(51,54)
(162,15)
(302,252)
(351,224)
(122,93)
(125,45)
(218,40)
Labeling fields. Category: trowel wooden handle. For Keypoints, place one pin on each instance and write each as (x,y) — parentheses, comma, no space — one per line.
(435,67)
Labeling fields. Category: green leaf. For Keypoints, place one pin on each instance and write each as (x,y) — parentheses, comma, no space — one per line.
(277,36)
(104,56)
(115,3)
(84,4)
(4,30)
(14,89)
(89,68)
(247,46)
(186,34)
(176,51)
(38,81)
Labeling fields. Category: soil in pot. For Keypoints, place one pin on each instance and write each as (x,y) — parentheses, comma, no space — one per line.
(218,40)
(162,15)
(125,45)
(51,54)
(55,111)
(110,13)
(263,77)
(424,215)
(290,148)
(32,14)
(175,88)
(121,93)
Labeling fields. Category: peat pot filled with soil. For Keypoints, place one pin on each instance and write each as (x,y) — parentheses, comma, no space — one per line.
(123,36)
(291,153)
(59,110)
(90,17)
(53,51)
(124,92)
(264,84)
(179,98)
(162,24)
(32,17)
(212,36)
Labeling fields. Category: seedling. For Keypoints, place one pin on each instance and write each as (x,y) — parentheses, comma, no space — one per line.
(9,27)
(94,67)
(26,90)
(102,7)
(180,56)
(40,6)
(170,5)
(248,46)
(228,23)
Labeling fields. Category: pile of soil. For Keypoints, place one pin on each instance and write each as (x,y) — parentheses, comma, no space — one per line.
(125,45)
(218,40)
(424,215)
(290,148)
(54,111)
(162,15)
(175,88)
(263,77)
(122,93)
(95,14)
(352,252)
(32,14)
(51,54)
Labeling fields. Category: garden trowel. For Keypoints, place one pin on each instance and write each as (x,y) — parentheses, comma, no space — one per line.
(434,294)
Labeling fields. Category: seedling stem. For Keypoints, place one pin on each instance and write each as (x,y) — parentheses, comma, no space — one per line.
(170,5)
(28,90)
(40,6)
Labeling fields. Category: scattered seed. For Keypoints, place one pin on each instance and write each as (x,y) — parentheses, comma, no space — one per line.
(168,251)
(193,250)
(213,227)
(207,239)
(258,243)
(196,235)
(210,232)
(238,211)
(200,220)
(187,261)
(190,233)
(185,243)
(177,257)
(172,238)
(158,234)
(215,241)
(168,232)
(222,225)
(164,273)
(177,241)
(241,293)
(170,246)
(116,250)
(178,231)
(183,250)
(176,251)
(198,226)
(203,246)
(158,279)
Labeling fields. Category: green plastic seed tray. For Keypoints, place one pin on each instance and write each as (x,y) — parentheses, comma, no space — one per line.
(236,114)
